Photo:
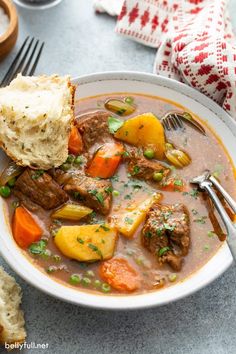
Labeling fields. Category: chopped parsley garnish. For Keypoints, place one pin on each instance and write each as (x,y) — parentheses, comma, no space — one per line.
(127,196)
(125,154)
(169,227)
(129,220)
(114,124)
(98,196)
(167,214)
(78,196)
(37,174)
(178,182)
(211,234)
(136,170)
(137,186)
(163,250)
(194,193)
(94,248)
(38,248)
(104,227)
(148,234)
(201,220)
(194,211)
(108,190)
(159,231)
(115,178)
(206,247)
(80,240)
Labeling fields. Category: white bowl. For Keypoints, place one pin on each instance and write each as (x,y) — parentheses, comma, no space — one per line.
(224,126)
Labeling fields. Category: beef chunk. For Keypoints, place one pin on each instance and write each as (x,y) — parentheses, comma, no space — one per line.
(94,129)
(92,192)
(140,167)
(167,226)
(60,176)
(27,202)
(40,188)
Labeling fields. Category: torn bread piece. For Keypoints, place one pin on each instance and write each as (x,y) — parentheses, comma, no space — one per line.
(35,120)
(12,323)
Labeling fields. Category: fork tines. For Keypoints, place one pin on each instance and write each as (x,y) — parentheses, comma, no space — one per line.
(172,121)
(25,61)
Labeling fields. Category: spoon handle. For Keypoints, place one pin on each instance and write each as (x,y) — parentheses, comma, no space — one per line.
(231,230)
(225,194)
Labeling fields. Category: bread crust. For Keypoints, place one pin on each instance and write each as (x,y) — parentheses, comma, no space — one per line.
(12,329)
(72,89)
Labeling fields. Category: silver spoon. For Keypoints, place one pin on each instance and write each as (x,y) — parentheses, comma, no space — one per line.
(205,182)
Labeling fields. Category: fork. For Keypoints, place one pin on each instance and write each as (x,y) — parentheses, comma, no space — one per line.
(174,120)
(25,61)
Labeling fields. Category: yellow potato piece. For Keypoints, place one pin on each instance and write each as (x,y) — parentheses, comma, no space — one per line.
(87,243)
(144,130)
(128,222)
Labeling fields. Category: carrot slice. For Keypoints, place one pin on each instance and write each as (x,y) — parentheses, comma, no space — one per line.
(25,229)
(119,274)
(106,160)
(75,141)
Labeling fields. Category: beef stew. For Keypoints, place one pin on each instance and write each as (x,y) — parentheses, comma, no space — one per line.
(121,216)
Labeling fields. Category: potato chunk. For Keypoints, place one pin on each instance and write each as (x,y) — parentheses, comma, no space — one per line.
(128,222)
(87,243)
(144,130)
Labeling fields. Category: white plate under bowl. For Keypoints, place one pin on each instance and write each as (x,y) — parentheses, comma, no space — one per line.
(224,126)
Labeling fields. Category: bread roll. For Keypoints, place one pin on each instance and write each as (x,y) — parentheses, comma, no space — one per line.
(35,118)
(12,322)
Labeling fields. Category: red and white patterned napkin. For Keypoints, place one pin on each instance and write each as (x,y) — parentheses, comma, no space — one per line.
(195,41)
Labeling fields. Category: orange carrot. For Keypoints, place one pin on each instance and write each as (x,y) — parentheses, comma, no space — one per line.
(25,229)
(106,160)
(75,142)
(119,274)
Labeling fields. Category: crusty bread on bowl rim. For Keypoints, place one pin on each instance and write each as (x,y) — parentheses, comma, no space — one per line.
(12,323)
(36,114)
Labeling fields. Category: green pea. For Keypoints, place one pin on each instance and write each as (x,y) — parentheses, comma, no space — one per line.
(157,176)
(172,277)
(149,153)
(86,281)
(5,191)
(129,100)
(106,288)
(11,182)
(116,193)
(75,279)
(70,158)
(97,283)
(65,166)
(90,273)
(78,160)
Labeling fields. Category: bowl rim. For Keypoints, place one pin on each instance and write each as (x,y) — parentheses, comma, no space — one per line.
(129,302)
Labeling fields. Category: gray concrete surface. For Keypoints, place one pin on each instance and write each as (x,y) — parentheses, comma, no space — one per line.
(80,42)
